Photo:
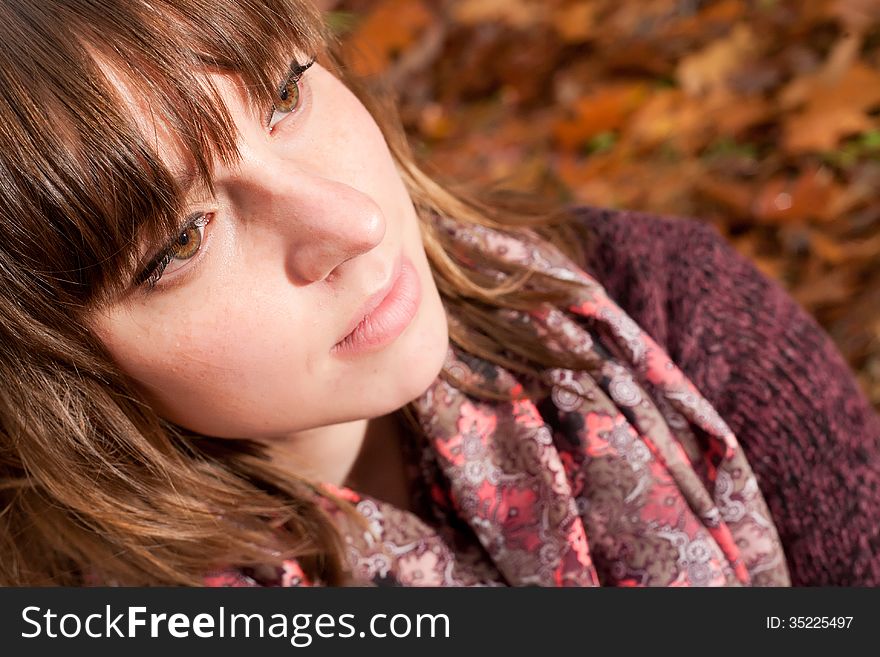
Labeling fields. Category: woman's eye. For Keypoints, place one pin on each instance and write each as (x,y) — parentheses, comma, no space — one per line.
(289,94)
(184,248)
(288,101)
(187,244)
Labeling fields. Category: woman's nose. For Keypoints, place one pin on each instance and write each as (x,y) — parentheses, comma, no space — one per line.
(320,222)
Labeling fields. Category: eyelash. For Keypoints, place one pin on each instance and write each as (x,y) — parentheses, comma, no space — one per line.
(293,77)
(150,277)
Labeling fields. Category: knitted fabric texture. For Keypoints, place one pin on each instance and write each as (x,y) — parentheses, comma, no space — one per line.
(769,369)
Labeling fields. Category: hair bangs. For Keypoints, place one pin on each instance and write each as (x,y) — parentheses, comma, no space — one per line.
(83,186)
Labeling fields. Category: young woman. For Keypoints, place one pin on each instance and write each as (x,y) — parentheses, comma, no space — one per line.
(244,339)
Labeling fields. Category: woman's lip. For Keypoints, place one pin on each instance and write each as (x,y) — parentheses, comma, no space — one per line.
(388,320)
(374,300)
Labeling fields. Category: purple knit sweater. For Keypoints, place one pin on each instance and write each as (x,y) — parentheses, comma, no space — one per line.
(771,372)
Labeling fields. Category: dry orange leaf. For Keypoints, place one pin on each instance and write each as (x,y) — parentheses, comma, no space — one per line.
(840,253)
(603,110)
(749,246)
(833,108)
(834,286)
(389,28)
(706,71)
(733,195)
(855,14)
(809,196)
(737,114)
(724,12)
(822,129)
(584,178)
(516,13)
(668,115)
(434,122)
(576,22)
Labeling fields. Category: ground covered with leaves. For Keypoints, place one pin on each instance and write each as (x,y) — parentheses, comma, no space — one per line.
(759,116)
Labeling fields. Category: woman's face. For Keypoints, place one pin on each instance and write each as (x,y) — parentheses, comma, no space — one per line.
(239,336)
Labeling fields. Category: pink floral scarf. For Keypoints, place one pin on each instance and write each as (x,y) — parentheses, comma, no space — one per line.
(633,479)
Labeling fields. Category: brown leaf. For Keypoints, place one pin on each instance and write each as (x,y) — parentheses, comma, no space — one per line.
(732,115)
(834,105)
(707,70)
(520,14)
(669,116)
(783,200)
(841,253)
(834,286)
(707,20)
(750,246)
(435,122)
(603,110)
(855,14)
(389,28)
(818,130)
(733,195)
(576,22)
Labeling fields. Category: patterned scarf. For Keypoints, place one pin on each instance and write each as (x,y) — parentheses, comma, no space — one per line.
(621,475)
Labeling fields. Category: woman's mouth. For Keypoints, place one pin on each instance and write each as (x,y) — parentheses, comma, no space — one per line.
(388,317)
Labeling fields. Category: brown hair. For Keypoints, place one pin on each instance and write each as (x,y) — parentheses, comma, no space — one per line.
(94,485)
